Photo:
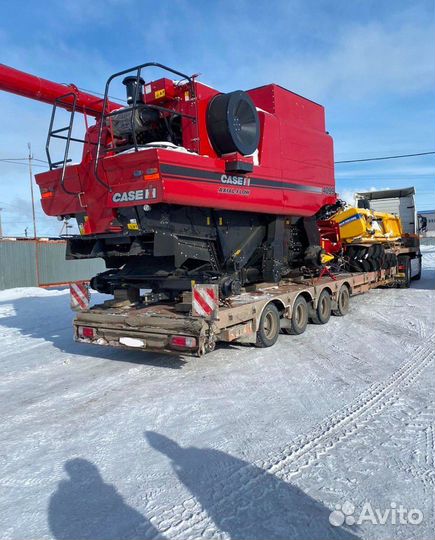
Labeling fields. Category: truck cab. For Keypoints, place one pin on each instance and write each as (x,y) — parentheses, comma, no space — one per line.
(400,202)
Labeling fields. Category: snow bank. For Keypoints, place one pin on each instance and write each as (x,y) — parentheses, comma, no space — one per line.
(27,292)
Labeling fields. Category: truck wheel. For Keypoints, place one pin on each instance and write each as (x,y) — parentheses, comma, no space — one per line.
(268,330)
(405,282)
(418,275)
(342,302)
(323,312)
(299,320)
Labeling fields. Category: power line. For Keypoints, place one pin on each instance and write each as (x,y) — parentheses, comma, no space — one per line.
(403,179)
(384,157)
(23,159)
(19,163)
(100,94)
(29,221)
(16,161)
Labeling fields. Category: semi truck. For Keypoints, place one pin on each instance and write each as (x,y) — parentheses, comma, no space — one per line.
(401,203)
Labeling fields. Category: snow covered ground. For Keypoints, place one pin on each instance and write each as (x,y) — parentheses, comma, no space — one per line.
(244,443)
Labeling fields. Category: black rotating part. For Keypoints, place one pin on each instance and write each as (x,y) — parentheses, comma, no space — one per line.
(232,123)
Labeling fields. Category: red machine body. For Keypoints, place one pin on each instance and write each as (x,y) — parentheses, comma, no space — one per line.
(187,181)
(33,87)
(292,170)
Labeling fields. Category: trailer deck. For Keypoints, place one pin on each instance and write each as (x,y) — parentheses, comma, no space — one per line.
(171,328)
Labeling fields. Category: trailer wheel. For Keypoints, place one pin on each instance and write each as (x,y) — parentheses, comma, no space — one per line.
(342,302)
(323,312)
(418,275)
(268,330)
(299,318)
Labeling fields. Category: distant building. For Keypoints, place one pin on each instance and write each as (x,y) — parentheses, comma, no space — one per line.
(426,221)
(26,262)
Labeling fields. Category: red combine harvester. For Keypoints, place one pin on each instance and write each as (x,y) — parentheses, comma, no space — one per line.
(185,183)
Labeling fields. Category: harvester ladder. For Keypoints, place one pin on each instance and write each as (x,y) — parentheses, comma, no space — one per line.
(62,133)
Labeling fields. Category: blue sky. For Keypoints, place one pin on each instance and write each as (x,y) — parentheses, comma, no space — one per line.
(370,63)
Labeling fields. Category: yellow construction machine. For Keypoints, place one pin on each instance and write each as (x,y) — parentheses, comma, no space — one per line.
(362,225)
(367,237)
(380,232)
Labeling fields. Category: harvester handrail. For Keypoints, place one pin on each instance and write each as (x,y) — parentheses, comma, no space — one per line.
(134,107)
(149,106)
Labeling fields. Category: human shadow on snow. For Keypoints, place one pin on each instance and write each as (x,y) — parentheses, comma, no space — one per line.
(244,500)
(85,507)
(50,318)
(241,499)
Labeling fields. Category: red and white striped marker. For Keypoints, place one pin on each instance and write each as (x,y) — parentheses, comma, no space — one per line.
(79,295)
(205,300)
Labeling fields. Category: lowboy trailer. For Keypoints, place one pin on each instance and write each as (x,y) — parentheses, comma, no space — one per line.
(256,316)
(203,317)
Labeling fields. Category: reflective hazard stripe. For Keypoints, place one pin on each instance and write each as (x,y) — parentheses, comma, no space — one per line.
(204,300)
(79,295)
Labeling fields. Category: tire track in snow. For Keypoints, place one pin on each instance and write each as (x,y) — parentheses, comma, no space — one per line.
(340,425)
(190,520)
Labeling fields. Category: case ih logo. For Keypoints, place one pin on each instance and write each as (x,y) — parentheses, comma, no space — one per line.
(135,195)
(235,180)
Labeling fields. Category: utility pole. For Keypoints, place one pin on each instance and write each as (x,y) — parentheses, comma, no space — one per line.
(33,214)
(31,189)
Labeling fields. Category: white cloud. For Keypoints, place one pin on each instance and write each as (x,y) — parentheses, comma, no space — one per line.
(348,194)
(17,217)
(394,57)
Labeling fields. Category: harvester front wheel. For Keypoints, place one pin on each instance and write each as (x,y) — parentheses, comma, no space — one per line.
(343,301)
(268,330)
(322,314)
